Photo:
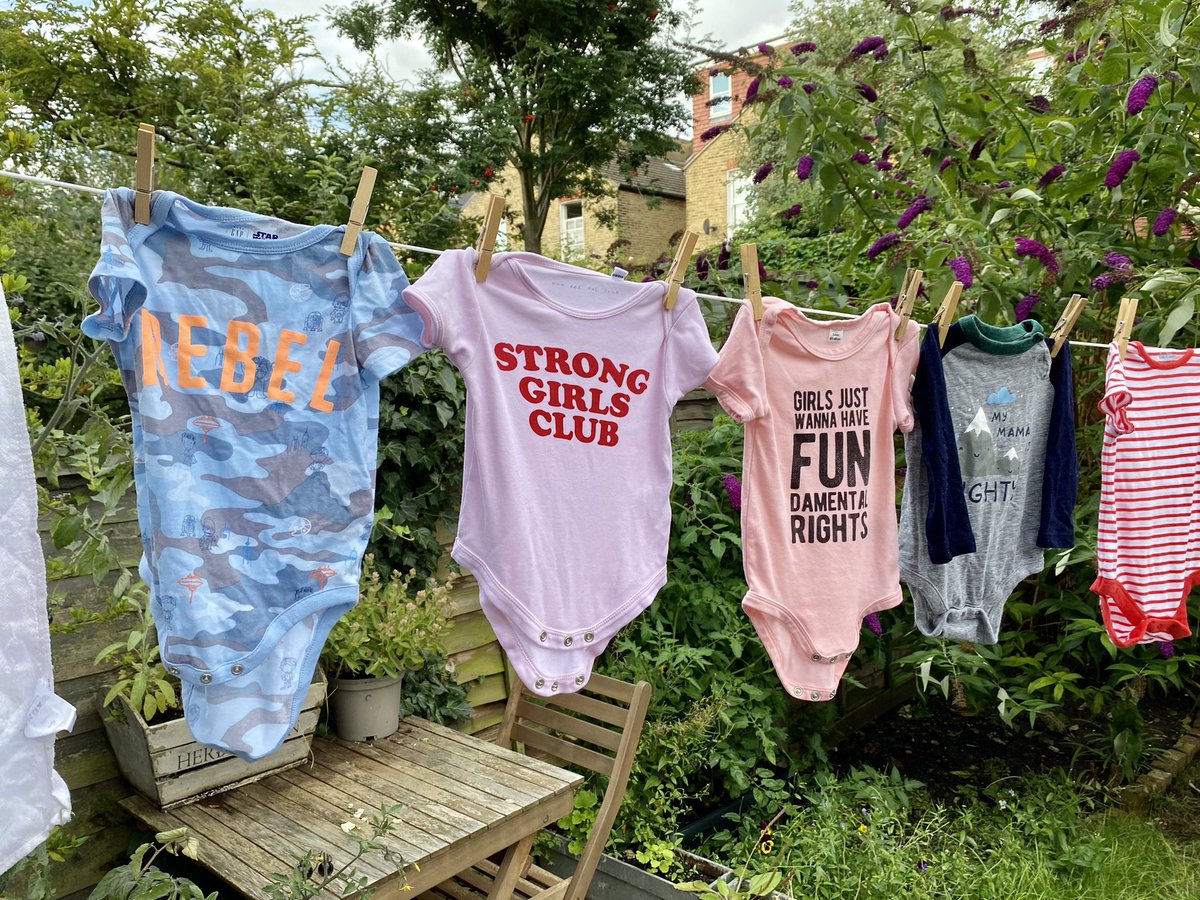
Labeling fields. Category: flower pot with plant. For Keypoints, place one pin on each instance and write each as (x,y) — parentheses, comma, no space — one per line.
(155,751)
(397,624)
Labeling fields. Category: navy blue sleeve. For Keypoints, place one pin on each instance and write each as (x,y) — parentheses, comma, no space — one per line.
(947,524)
(1060,483)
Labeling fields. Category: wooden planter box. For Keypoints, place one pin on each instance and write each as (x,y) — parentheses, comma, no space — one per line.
(168,767)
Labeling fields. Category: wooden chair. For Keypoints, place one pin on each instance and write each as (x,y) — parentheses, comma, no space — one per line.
(596,729)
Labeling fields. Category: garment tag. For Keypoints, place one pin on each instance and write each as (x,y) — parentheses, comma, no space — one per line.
(620,273)
(835,336)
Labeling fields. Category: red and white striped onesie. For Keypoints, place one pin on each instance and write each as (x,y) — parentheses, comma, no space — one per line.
(1148,552)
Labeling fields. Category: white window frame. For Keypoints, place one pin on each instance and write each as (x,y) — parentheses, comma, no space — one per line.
(571,237)
(502,235)
(720,103)
(737,200)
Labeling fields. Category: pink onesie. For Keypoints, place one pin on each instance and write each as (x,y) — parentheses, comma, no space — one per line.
(821,401)
(571,377)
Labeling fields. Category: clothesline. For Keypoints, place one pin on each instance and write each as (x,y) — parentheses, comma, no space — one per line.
(50,182)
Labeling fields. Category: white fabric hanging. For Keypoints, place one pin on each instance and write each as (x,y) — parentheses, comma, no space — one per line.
(33,798)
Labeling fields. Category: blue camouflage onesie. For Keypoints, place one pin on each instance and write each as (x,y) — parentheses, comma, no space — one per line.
(251,351)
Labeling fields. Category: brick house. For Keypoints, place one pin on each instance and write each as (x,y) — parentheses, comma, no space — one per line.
(633,224)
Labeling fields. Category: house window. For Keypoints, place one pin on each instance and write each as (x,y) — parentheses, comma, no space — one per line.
(737,189)
(502,235)
(720,96)
(571,226)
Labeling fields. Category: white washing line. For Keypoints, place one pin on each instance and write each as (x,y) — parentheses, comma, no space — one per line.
(50,182)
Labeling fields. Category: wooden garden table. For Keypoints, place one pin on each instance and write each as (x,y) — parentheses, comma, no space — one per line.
(463,799)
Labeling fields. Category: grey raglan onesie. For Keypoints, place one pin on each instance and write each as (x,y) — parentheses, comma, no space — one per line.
(992,473)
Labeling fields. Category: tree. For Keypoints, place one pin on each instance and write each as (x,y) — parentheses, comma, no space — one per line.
(563,87)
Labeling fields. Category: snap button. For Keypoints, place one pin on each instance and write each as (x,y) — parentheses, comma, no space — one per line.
(554,687)
(816,695)
(237,669)
(798,690)
(174,670)
(542,636)
(568,642)
(539,683)
(205,678)
(579,679)
(816,657)
(589,637)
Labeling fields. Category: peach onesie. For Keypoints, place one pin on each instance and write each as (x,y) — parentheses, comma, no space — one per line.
(820,401)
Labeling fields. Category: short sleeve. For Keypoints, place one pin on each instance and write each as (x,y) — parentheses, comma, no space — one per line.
(444,298)
(738,379)
(904,367)
(115,283)
(689,355)
(1116,397)
(386,331)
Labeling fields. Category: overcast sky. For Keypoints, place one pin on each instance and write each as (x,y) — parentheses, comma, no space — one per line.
(754,21)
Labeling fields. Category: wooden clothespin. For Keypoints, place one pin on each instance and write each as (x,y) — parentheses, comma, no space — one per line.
(683,259)
(945,314)
(751,279)
(358,210)
(1066,322)
(143,184)
(1125,324)
(487,237)
(908,296)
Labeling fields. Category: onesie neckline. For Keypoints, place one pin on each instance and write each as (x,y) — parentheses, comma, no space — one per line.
(1185,356)
(865,325)
(164,201)
(1001,340)
(514,261)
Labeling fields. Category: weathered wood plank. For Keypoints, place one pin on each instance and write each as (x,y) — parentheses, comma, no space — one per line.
(564,750)
(469,631)
(500,767)
(565,776)
(478,663)
(85,759)
(74,653)
(564,724)
(487,690)
(330,797)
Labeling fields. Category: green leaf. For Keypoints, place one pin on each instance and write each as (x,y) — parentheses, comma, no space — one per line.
(1179,316)
(1027,194)
(1000,215)
(1063,127)
(1165,35)
(65,529)
(717,546)
(935,90)
(765,882)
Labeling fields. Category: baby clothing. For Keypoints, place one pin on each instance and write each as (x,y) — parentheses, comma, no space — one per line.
(820,401)
(992,473)
(1148,549)
(251,351)
(32,795)
(571,376)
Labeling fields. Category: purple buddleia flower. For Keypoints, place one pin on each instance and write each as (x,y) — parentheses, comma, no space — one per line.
(927,151)
(1139,94)
(1049,25)
(1039,104)
(871,620)
(946,163)
(702,267)
(1120,168)
(1052,175)
(869,93)
(763,171)
(886,242)
(1163,222)
(884,166)
(880,53)
(784,82)
(1103,282)
(1036,250)
(791,212)
(803,47)
(1025,306)
(804,168)
(868,45)
(961,267)
(723,254)
(1115,260)
(766,49)
(713,132)
(752,90)
(733,490)
(812,285)
(1166,649)
(809,87)
(762,272)
(1003,184)
(918,206)
(977,147)
(871,138)
(860,157)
